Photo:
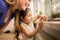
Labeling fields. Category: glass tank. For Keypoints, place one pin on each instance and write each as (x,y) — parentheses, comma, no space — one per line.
(55,10)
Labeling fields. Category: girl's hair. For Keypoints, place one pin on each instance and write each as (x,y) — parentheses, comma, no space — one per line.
(21,14)
(24,13)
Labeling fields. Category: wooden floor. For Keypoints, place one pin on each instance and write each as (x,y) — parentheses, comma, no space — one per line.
(39,36)
(7,36)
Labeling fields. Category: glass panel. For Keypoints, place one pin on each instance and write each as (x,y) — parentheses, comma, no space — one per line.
(55,10)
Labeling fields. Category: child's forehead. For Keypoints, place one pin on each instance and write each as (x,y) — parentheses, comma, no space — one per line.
(29,13)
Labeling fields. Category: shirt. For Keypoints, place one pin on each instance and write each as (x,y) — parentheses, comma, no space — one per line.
(31,29)
(3,11)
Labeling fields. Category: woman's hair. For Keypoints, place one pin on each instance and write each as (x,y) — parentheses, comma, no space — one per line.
(24,13)
(11,2)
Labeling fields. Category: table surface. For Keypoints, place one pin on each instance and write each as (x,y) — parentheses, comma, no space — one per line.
(54,22)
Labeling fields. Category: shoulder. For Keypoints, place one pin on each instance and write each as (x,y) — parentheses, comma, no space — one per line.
(21,24)
(3,5)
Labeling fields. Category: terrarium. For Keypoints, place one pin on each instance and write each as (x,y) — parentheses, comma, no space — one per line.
(55,10)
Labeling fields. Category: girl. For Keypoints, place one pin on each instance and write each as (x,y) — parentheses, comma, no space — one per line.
(27,30)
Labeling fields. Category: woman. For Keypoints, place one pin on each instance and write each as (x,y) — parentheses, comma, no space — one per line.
(7,10)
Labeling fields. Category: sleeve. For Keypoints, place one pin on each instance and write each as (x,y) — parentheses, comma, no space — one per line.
(1,6)
(3,10)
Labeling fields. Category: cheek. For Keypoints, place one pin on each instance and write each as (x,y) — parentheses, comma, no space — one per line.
(27,20)
(23,7)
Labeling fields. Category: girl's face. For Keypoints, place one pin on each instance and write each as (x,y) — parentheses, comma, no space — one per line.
(28,17)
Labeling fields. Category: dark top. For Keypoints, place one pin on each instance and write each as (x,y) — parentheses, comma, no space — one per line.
(3,11)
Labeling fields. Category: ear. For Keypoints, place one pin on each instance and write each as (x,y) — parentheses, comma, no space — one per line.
(22,19)
(11,2)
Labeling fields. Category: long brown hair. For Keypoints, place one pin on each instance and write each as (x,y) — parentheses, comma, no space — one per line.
(11,2)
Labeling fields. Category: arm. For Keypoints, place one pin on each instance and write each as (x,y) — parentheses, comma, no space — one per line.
(7,20)
(44,18)
(2,11)
(28,33)
(8,14)
(4,26)
(36,17)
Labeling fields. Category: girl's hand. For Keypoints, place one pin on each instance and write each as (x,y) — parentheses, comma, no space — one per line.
(40,24)
(44,18)
(20,37)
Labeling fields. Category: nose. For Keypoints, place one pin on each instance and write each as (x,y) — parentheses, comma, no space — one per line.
(31,18)
(28,3)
